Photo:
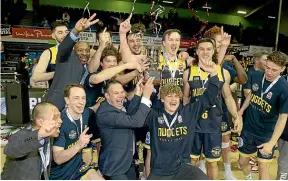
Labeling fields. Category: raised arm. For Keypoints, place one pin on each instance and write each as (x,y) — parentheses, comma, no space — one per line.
(225,42)
(241,77)
(186,92)
(40,74)
(125,27)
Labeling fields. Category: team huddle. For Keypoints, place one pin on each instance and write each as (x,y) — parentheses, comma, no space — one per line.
(107,98)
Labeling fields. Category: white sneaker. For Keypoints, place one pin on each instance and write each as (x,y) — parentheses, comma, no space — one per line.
(228,175)
(203,168)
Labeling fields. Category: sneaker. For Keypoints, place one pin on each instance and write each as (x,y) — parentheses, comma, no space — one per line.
(228,175)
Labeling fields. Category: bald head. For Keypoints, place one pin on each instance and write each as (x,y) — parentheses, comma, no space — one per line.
(82,49)
(42,111)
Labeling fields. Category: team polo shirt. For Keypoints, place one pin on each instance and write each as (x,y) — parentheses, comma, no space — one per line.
(262,113)
(67,138)
(211,119)
(94,92)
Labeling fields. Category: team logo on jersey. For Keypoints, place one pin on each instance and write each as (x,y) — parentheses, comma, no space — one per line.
(180,119)
(72,134)
(216,151)
(224,126)
(196,78)
(269,95)
(255,87)
(160,120)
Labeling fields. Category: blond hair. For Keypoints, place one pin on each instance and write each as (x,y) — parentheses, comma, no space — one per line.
(168,89)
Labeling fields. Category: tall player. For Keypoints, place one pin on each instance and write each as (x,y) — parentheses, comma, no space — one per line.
(45,68)
(266,115)
(208,133)
(237,75)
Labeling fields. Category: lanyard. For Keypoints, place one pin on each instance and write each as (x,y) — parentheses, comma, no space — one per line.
(173,120)
(206,79)
(172,72)
(73,121)
(45,157)
(269,87)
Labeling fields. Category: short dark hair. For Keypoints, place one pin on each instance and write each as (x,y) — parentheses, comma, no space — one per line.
(136,29)
(99,31)
(209,40)
(57,24)
(258,55)
(69,87)
(110,51)
(38,110)
(169,32)
(279,58)
(109,83)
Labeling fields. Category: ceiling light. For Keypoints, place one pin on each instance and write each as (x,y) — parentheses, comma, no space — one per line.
(272,17)
(168,2)
(206,7)
(241,12)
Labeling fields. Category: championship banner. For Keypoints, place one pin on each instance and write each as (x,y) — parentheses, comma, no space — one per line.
(5,30)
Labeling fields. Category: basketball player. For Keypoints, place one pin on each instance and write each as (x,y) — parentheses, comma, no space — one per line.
(45,68)
(237,75)
(266,115)
(208,133)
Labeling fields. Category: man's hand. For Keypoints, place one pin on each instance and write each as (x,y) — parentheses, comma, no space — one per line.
(229,58)
(139,87)
(183,55)
(145,65)
(125,26)
(238,124)
(266,149)
(208,66)
(84,23)
(225,38)
(148,88)
(84,139)
(133,65)
(104,39)
(87,157)
(48,128)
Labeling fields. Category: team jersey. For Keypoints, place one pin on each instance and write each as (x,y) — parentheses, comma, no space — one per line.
(171,72)
(68,137)
(250,73)
(263,111)
(94,93)
(211,119)
(284,136)
(52,62)
(171,144)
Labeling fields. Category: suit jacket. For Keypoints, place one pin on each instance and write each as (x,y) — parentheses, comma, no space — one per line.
(116,132)
(23,160)
(68,70)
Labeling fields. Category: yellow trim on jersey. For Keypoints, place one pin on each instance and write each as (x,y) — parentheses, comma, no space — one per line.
(213,159)
(84,177)
(139,143)
(54,52)
(194,72)
(264,160)
(195,156)
(226,133)
(146,146)
(162,63)
(86,150)
(247,155)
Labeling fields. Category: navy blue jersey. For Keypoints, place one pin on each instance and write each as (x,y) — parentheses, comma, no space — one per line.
(68,137)
(94,92)
(170,146)
(262,113)
(211,119)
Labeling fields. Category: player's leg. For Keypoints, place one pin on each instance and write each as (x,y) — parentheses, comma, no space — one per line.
(212,152)
(196,149)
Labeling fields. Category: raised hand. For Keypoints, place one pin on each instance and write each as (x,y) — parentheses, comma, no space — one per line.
(148,88)
(125,26)
(48,128)
(133,65)
(84,139)
(145,65)
(183,55)
(208,66)
(104,38)
(225,38)
(139,87)
(84,23)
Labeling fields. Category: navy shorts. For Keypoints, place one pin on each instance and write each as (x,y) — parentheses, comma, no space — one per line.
(211,144)
(249,147)
(82,172)
(225,125)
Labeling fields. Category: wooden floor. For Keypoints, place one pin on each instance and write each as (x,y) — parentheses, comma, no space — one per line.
(238,173)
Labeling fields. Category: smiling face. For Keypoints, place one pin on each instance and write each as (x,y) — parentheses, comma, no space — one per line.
(171,103)
(205,51)
(135,43)
(82,49)
(76,100)
(171,42)
(115,95)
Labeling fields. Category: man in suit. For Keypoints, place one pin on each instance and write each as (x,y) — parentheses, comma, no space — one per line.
(116,129)
(70,65)
(28,150)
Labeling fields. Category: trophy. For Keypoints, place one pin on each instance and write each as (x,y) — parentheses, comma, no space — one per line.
(153,57)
